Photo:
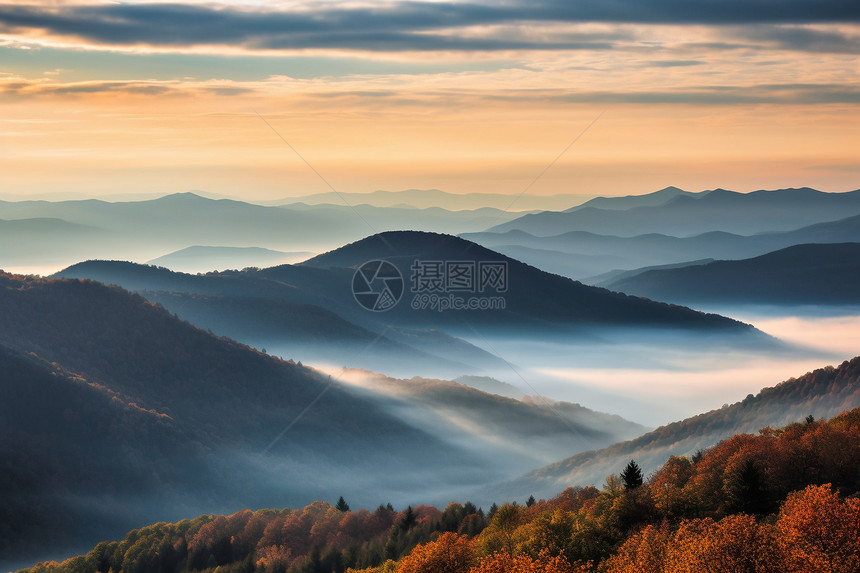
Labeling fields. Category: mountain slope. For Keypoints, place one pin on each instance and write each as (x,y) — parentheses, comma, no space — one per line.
(802,274)
(532,302)
(685,215)
(289,316)
(526,432)
(206,424)
(533,299)
(63,441)
(823,393)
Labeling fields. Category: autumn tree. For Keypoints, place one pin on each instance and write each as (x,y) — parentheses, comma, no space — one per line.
(643,552)
(820,532)
(544,563)
(450,553)
(499,533)
(732,544)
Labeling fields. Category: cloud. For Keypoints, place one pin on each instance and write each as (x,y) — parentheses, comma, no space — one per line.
(676,63)
(28,88)
(414,26)
(786,94)
(808,39)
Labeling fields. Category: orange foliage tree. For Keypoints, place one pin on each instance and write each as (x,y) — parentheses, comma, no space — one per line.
(821,533)
(503,562)
(733,544)
(450,553)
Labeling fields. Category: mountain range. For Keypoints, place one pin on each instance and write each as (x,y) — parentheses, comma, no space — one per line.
(823,274)
(426,198)
(685,214)
(42,233)
(116,413)
(594,258)
(134,393)
(308,310)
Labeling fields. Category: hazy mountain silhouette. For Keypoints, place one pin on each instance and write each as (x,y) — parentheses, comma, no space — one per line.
(802,274)
(425,198)
(583,255)
(687,215)
(517,433)
(606,279)
(654,199)
(823,393)
(289,318)
(34,241)
(198,259)
(144,230)
(534,300)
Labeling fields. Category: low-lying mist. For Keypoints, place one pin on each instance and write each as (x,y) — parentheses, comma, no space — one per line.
(653,381)
(653,378)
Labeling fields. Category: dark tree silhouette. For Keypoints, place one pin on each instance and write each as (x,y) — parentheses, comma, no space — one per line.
(341,504)
(631,476)
(745,491)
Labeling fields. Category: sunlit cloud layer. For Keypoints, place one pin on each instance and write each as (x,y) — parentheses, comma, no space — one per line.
(421,26)
(465,96)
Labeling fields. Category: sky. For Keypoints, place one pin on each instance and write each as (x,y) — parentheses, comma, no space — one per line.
(263,100)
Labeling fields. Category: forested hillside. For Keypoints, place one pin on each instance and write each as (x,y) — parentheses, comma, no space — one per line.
(114,413)
(783,500)
(822,393)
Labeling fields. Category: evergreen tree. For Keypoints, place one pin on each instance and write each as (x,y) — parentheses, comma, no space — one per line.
(744,490)
(408,519)
(530,501)
(631,477)
(341,504)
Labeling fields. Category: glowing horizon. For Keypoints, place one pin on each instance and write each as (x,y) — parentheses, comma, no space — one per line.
(102,99)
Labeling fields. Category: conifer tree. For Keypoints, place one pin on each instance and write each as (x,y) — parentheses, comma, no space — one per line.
(631,477)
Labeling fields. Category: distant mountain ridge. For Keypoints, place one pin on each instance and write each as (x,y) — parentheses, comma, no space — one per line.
(584,255)
(656,198)
(204,258)
(689,214)
(803,274)
(425,198)
(144,230)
